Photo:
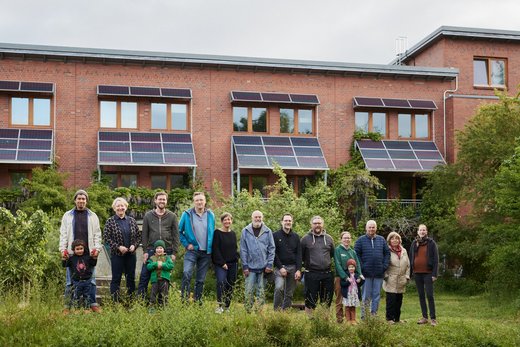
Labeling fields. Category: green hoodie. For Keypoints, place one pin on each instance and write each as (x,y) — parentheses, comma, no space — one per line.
(167,267)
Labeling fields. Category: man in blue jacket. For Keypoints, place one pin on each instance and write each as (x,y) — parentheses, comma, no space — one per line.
(257,255)
(196,230)
(374,254)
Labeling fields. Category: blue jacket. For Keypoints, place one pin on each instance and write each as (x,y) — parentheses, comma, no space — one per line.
(374,255)
(186,230)
(257,253)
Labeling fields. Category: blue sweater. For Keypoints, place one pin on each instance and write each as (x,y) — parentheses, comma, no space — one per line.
(374,255)
(186,230)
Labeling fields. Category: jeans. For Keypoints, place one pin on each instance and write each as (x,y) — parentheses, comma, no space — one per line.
(318,284)
(122,264)
(144,279)
(425,282)
(225,282)
(254,282)
(81,294)
(201,259)
(284,288)
(92,290)
(371,295)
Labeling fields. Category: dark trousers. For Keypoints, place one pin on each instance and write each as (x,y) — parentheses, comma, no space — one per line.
(122,264)
(144,279)
(159,294)
(225,282)
(318,284)
(424,282)
(81,293)
(394,301)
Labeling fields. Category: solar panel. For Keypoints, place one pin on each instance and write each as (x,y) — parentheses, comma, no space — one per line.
(141,149)
(176,93)
(145,91)
(276,141)
(305,99)
(248,140)
(7,155)
(246,96)
(399,155)
(113,90)
(284,162)
(37,87)
(252,160)
(9,85)
(35,144)
(26,145)
(34,156)
(269,150)
(368,102)
(251,150)
(305,142)
(308,151)
(423,104)
(312,162)
(9,133)
(401,103)
(36,134)
(276,97)
(8,144)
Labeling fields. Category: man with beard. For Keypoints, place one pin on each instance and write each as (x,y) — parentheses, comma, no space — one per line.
(158,224)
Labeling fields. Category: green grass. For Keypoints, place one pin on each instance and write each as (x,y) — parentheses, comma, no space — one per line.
(463,321)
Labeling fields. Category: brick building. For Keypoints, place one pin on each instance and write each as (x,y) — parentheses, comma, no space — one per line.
(153,119)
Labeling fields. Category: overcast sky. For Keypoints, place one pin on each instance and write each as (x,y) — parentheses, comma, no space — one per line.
(362,31)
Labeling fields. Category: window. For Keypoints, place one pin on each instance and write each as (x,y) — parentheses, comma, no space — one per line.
(30,111)
(382,193)
(410,188)
(250,119)
(489,72)
(371,122)
(413,126)
(296,121)
(17,177)
(252,183)
(118,114)
(169,181)
(116,180)
(170,116)
(298,183)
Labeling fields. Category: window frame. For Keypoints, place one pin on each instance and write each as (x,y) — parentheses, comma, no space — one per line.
(415,186)
(371,122)
(119,113)
(185,177)
(119,178)
(30,116)
(169,115)
(413,124)
(296,113)
(250,119)
(250,183)
(26,173)
(488,61)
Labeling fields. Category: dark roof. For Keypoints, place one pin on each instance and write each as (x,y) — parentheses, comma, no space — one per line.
(460,32)
(108,56)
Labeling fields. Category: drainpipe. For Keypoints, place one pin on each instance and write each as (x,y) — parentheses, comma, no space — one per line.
(444,112)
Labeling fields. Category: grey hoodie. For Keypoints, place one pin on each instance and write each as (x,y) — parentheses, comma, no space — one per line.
(317,251)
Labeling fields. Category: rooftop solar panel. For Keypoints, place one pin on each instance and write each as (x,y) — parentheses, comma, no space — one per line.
(34,156)
(36,87)
(370,144)
(145,158)
(252,161)
(113,136)
(7,155)
(312,162)
(145,91)
(368,102)
(246,96)
(401,164)
(305,142)
(146,137)
(398,154)
(113,90)
(425,145)
(168,137)
(396,144)
(9,85)
(35,134)
(269,150)
(9,133)
(111,157)
(379,165)
(305,99)
(248,140)
(375,153)
(308,151)
(251,150)
(178,147)
(114,146)
(432,155)
(8,144)
(179,159)
(176,93)
(276,97)
(283,161)
(148,147)
(423,104)
(35,144)
(276,141)
(430,164)
(400,103)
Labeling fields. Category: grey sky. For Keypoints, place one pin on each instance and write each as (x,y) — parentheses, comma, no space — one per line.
(362,31)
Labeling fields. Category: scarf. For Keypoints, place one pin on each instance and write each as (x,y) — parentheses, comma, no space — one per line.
(352,289)
(421,241)
(397,250)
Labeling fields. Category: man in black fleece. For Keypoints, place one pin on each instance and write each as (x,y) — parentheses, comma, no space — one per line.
(317,254)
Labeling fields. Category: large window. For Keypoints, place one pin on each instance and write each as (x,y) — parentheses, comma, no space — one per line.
(414,126)
(169,116)
(252,183)
(374,122)
(118,114)
(410,188)
(116,180)
(250,119)
(30,111)
(296,121)
(16,178)
(489,72)
(169,181)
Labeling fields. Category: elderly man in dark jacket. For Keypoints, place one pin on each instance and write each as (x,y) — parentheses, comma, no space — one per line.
(374,254)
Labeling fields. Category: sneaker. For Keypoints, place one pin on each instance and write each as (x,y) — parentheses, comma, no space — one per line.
(391,322)
(219,310)
(66,311)
(422,321)
(433,322)
(96,309)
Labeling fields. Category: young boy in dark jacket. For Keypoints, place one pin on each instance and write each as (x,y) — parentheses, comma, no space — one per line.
(160,266)
(81,266)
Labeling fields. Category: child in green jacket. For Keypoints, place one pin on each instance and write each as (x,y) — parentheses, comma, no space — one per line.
(160,266)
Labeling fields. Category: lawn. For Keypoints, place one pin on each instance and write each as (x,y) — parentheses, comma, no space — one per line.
(463,321)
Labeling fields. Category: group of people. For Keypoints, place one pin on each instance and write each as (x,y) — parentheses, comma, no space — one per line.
(360,272)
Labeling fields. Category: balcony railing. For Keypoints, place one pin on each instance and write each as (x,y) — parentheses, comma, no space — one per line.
(402,202)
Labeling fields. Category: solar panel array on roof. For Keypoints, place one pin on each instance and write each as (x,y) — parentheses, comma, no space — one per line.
(413,104)
(261,152)
(145,149)
(26,146)
(269,97)
(32,87)
(406,156)
(154,92)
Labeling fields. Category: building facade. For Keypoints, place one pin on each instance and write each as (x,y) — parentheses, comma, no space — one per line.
(153,119)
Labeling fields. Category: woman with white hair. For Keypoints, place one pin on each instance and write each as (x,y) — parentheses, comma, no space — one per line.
(396,276)
(123,235)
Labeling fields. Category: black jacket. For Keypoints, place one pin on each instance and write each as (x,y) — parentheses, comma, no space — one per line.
(288,250)
(432,253)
